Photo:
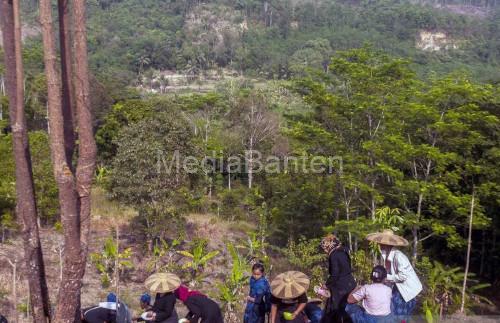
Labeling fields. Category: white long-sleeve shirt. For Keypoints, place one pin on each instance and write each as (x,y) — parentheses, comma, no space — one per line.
(403,274)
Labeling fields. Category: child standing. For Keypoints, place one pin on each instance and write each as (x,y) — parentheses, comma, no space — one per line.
(258,300)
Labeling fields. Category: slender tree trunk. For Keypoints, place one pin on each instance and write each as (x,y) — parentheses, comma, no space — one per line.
(469,245)
(13,264)
(66,72)
(414,229)
(25,193)
(250,163)
(117,260)
(87,147)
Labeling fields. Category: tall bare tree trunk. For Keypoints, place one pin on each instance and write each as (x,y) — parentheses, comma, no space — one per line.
(74,189)
(25,192)
(68,303)
(469,245)
(87,149)
(66,72)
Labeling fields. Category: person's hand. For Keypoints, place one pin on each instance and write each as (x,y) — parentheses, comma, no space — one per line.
(294,315)
(250,299)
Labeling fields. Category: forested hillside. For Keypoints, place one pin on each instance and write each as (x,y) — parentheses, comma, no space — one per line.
(235,130)
(277,39)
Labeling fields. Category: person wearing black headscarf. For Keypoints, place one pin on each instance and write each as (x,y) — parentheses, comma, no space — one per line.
(340,281)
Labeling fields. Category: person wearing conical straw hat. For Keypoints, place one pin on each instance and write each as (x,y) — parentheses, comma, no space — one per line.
(163,285)
(340,281)
(400,273)
(288,297)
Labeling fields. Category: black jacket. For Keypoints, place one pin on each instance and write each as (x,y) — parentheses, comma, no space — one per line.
(98,314)
(340,282)
(164,306)
(339,269)
(200,306)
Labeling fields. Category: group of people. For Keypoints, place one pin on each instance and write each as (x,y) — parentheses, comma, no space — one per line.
(390,297)
(167,289)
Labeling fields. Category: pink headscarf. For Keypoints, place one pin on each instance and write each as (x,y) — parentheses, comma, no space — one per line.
(183,293)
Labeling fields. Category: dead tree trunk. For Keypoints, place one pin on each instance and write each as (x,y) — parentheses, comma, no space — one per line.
(25,194)
(467,258)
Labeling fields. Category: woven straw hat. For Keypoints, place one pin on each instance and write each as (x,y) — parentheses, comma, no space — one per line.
(290,284)
(162,282)
(387,237)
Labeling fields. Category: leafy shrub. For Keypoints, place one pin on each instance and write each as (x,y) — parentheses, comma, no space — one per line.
(198,258)
(109,260)
(230,291)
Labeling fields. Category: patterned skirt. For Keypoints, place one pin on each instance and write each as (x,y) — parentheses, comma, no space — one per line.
(401,309)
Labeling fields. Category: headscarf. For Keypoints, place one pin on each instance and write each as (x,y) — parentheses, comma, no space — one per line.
(111,298)
(330,243)
(183,293)
(145,298)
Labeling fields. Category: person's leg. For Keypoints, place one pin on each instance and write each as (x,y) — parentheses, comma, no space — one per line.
(356,313)
(400,309)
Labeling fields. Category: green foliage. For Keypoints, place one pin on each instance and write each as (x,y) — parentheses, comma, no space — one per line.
(45,186)
(305,256)
(110,260)
(140,174)
(198,258)
(162,258)
(443,288)
(362,265)
(122,114)
(230,291)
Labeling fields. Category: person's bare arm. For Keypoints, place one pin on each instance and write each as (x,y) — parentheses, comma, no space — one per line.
(274,311)
(351,299)
(299,309)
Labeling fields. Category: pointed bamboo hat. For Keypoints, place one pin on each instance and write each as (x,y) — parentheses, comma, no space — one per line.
(387,237)
(162,282)
(290,284)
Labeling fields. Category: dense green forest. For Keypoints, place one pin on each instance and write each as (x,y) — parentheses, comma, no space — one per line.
(276,39)
(405,137)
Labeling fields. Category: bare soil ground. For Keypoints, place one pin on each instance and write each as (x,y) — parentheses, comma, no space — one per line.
(106,216)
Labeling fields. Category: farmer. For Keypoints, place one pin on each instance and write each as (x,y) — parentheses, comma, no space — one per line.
(340,281)
(105,312)
(259,298)
(376,298)
(199,306)
(289,299)
(145,304)
(400,273)
(163,309)
(97,314)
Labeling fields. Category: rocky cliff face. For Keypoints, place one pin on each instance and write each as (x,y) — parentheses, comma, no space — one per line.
(433,41)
